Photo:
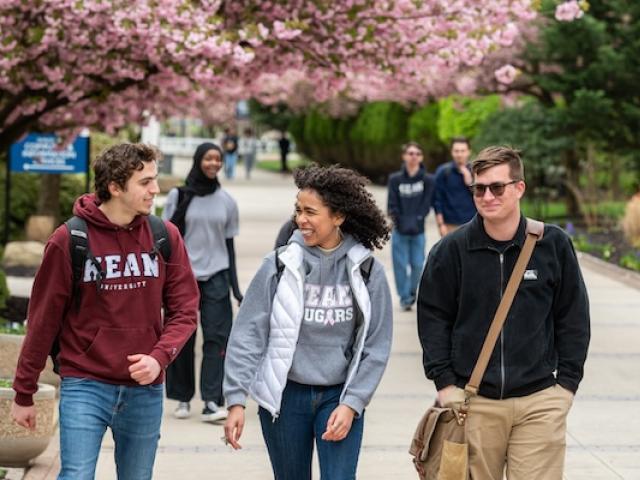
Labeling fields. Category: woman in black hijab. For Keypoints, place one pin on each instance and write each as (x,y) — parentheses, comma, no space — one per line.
(207,217)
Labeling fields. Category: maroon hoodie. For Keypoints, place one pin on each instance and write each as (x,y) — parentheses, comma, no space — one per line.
(123,318)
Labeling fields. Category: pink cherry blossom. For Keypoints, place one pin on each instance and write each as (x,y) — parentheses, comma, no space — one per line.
(67,64)
(568,11)
(506,74)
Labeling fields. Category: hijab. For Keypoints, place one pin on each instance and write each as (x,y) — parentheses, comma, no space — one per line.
(197,184)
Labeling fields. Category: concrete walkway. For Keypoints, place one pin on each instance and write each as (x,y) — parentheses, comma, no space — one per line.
(604,426)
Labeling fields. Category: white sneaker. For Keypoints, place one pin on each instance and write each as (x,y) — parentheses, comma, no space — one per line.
(213,413)
(182,411)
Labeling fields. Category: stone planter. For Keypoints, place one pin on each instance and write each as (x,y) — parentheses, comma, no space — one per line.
(26,255)
(18,445)
(40,227)
(10,346)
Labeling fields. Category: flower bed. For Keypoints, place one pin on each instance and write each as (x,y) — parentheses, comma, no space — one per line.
(608,244)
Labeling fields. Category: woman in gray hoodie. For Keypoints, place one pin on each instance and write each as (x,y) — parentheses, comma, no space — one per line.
(312,337)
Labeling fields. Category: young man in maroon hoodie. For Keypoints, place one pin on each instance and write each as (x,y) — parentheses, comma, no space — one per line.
(114,342)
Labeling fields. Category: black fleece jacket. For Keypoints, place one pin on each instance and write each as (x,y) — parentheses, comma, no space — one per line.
(546,335)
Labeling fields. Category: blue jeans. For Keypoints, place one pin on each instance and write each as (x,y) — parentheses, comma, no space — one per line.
(215,320)
(408,261)
(88,407)
(230,160)
(303,418)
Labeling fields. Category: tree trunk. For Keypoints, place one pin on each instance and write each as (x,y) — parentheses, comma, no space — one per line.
(572,166)
(49,199)
(614,180)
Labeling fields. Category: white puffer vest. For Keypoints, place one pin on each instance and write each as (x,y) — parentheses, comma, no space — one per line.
(286,317)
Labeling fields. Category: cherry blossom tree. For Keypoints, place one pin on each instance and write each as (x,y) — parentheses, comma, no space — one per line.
(66,64)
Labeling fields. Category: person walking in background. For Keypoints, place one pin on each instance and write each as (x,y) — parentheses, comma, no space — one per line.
(207,217)
(114,342)
(452,200)
(518,419)
(408,203)
(312,337)
(248,149)
(285,145)
(230,146)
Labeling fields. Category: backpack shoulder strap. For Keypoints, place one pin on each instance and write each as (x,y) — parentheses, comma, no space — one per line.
(79,247)
(161,242)
(279,264)
(80,253)
(365,269)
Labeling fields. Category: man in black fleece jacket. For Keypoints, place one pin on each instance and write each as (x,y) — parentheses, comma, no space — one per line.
(518,419)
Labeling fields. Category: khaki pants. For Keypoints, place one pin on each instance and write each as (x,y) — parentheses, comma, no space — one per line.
(525,434)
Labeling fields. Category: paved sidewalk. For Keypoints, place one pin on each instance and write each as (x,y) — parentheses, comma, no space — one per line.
(604,426)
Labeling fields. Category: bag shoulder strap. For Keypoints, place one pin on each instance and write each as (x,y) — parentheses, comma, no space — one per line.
(365,267)
(78,245)
(161,242)
(279,263)
(534,231)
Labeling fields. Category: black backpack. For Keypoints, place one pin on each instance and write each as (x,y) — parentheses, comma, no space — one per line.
(365,267)
(80,252)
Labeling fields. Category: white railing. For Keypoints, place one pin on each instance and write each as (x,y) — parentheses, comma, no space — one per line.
(181,146)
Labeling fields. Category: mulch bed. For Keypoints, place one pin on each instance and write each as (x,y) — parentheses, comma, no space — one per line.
(609,243)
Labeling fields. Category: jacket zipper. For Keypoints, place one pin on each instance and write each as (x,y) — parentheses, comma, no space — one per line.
(502,372)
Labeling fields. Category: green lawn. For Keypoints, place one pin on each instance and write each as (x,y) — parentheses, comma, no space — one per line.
(558,210)
(274,165)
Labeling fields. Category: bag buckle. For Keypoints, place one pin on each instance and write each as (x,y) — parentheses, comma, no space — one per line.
(461,414)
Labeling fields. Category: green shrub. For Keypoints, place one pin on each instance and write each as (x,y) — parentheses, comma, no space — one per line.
(369,142)
(12,329)
(631,261)
(25,188)
(423,128)
(377,137)
(464,115)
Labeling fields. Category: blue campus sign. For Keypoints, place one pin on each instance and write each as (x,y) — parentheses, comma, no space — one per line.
(43,153)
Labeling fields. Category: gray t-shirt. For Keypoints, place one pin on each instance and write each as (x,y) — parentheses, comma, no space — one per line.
(210,220)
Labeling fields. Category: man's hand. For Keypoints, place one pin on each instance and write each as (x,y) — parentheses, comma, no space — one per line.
(444,395)
(466,174)
(233,426)
(442,228)
(144,369)
(24,416)
(339,424)
(566,391)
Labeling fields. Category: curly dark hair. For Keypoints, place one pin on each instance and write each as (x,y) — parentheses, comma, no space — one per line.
(117,164)
(344,192)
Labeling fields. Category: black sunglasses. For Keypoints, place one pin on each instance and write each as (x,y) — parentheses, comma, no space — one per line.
(497,189)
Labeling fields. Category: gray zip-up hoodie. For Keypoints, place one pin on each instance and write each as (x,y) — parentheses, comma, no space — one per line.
(325,347)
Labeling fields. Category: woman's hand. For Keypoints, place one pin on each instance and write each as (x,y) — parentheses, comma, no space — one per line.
(339,424)
(233,426)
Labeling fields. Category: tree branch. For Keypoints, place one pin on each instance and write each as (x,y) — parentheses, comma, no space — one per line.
(12,132)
